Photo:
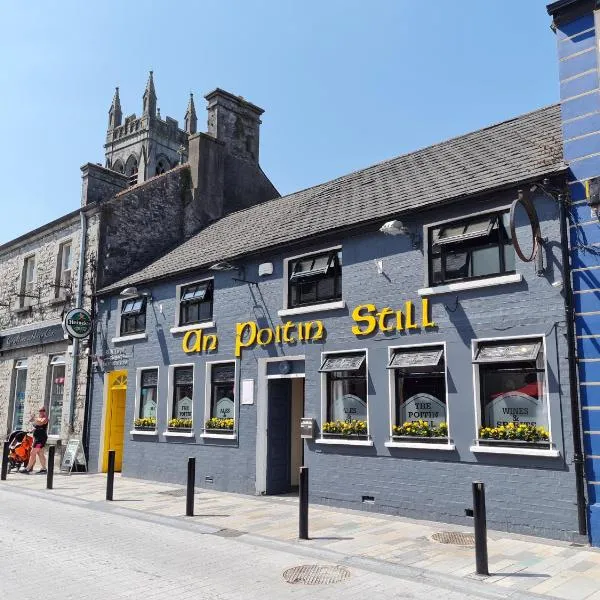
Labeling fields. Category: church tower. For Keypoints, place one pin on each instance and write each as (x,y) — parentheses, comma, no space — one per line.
(146,146)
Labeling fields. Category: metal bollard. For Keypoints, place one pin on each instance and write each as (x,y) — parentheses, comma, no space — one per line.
(110,475)
(481,553)
(191,484)
(303,498)
(4,462)
(50,475)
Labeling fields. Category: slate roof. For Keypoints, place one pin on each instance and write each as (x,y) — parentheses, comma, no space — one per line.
(523,148)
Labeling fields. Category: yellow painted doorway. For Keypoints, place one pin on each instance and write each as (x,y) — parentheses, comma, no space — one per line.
(114,429)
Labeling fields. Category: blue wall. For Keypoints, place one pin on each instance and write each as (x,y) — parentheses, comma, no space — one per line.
(527,494)
(577,53)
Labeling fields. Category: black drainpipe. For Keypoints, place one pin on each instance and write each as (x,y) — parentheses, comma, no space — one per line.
(578,461)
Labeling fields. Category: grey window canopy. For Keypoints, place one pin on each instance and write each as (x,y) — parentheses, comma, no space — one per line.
(196,292)
(493,352)
(410,359)
(134,306)
(313,266)
(467,230)
(342,362)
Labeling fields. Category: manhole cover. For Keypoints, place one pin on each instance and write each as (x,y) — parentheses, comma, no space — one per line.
(316,574)
(229,533)
(454,537)
(179,492)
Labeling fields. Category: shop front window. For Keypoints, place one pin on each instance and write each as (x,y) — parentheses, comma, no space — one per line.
(315,279)
(512,390)
(346,381)
(222,397)
(148,395)
(183,393)
(19,397)
(57,394)
(420,392)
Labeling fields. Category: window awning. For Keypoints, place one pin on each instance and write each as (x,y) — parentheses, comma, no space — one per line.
(149,377)
(312,266)
(195,292)
(491,352)
(133,307)
(466,230)
(415,358)
(342,362)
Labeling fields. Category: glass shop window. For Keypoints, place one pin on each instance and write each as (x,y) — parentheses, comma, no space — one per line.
(196,303)
(512,389)
(471,249)
(57,394)
(183,393)
(148,394)
(346,377)
(420,386)
(315,279)
(222,386)
(133,316)
(19,394)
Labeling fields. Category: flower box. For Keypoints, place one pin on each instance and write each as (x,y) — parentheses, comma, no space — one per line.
(179,429)
(351,436)
(514,443)
(219,425)
(143,428)
(420,439)
(219,431)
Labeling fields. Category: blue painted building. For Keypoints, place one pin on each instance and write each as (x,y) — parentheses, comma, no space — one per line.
(390,309)
(575,22)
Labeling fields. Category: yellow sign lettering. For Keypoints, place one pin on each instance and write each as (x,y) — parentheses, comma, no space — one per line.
(362,314)
(240,330)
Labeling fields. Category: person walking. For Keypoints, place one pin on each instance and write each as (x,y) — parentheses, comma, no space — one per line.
(40,437)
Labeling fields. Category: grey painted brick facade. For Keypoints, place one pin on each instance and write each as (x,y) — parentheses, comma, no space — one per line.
(527,494)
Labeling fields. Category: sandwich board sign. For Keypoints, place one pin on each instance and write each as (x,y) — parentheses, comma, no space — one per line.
(73,455)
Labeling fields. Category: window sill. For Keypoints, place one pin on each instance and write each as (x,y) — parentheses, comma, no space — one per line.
(471,285)
(192,327)
(420,445)
(151,432)
(549,452)
(57,301)
(185,434)
(343,442)
(22,310)
(219,436)
(303,310)
(129,338)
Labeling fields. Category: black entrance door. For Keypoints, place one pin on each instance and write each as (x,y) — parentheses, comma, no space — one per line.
(278,436)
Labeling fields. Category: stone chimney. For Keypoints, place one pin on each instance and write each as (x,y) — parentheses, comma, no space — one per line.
(234,122)
(100,183)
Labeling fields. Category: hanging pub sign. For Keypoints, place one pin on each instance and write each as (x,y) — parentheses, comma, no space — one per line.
(78,323)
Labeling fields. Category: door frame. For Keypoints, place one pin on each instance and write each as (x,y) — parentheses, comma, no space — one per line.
(104,431)
(262,414)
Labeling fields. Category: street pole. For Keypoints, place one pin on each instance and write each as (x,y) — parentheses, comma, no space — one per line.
(110,475)
(50,475)
(191,483)
(303,500)
(481,553)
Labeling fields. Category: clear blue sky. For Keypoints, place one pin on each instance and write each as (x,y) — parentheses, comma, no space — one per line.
(344,83)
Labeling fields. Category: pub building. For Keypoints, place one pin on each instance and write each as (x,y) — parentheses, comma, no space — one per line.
(391,311)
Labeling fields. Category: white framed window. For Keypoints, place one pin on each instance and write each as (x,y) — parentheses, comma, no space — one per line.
(64,269)
(19,398)
(313,282)
(146,399)
(133,316)
(511,395)
(56,394)
(194,305)
(344,398)
(180,406)
(418,385)
(220,399)
(28,280)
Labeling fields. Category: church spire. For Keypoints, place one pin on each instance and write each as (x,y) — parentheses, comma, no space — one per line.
(150,98)
(115,116)
(191,121)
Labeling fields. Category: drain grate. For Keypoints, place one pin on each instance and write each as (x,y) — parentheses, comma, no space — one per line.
(177,493)
(454,537)
(316,574)
(229,533)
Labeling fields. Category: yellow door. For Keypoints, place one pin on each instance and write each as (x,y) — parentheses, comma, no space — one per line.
(114,431)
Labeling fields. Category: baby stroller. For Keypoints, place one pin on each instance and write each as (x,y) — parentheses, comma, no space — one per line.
(19,449)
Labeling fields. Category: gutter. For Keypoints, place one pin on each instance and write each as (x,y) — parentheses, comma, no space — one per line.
(578,460)
(78,303)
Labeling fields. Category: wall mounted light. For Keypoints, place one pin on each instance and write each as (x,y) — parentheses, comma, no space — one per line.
(399,228)
(132,292)
(222,266)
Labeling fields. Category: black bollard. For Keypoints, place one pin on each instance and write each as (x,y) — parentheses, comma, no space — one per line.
(50,475)
(481,553)
(191,484)
(110,475)
(303,498)
(4,462)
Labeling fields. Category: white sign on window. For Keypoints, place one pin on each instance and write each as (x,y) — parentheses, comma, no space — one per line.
(224,408)
(149,407)
(184,408)
(423,407)
(349,408)
(515,407)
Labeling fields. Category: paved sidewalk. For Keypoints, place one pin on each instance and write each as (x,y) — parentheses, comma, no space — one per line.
(516,562)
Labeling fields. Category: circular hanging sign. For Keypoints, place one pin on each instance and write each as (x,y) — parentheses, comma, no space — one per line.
(523,216)
(78,323)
